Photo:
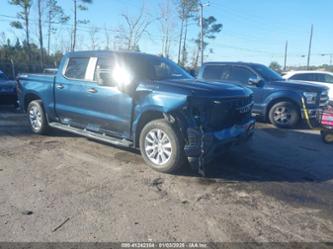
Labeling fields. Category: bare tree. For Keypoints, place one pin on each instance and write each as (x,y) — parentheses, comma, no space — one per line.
(23,20)
(107,38)
(40,31)
(78,5)
(93,37)
(166,22)
(2,38)
(135,28)
(55,15)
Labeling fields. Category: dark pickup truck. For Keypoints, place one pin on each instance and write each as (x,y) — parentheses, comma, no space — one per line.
(140,101)
(275,99)
(8,94)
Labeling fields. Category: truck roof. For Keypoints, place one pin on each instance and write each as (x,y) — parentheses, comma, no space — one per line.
(104,53)
(232,63)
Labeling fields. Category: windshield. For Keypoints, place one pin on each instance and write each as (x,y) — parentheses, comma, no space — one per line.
(155,68)
(3,76)
(267,73)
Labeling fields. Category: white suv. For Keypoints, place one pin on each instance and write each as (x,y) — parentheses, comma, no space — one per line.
(315,77)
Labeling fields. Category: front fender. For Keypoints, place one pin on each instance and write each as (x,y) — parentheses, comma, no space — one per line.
(282,95)
(155,104)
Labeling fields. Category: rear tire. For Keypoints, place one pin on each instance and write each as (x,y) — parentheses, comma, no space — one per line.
(37,119)
(161,146)
(284,115)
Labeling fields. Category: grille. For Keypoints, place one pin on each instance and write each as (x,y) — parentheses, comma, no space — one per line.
(224,114)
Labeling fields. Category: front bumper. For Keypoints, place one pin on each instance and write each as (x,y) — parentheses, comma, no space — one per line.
(203,147)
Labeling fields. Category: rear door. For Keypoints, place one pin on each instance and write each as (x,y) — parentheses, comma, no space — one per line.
(71,88)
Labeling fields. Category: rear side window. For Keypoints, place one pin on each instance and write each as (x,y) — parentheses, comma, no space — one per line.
(76,68)
(217,72)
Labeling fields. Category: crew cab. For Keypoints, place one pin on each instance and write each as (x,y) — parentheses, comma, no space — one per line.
(7,90)
(140,101)
(281,102)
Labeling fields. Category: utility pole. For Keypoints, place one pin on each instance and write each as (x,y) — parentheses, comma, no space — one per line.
(310,46)
(202,31)
(285,56)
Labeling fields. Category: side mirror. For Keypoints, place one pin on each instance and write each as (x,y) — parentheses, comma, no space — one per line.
(255,81)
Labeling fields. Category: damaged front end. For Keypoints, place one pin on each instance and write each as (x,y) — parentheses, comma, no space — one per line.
(213,125)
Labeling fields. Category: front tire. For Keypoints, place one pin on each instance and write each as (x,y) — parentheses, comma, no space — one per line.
(37,119)
(284,115)
(327,137)
(161,146)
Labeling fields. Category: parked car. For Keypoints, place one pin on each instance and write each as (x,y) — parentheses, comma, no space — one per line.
(8,94)
(140,101)
(315,77)
(275,99)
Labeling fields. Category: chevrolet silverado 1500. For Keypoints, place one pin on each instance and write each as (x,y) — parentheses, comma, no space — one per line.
(140,101)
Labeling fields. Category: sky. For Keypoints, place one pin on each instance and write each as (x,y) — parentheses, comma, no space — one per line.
(253,30)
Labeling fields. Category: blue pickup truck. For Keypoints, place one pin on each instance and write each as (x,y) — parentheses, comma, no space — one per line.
(275,99)
(140,101)
(8,94)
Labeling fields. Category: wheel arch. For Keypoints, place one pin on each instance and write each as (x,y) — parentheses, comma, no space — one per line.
(28,98)
(279,99)
(145,118)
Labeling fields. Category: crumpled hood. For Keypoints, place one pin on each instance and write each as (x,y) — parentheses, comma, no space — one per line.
(204,89)
(301,86)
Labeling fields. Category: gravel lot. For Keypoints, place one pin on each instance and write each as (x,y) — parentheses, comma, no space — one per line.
(279,187)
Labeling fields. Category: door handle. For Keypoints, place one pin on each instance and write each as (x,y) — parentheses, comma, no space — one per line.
(92,90)
(60,86)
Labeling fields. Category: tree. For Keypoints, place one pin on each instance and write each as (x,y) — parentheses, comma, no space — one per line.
(23,17)
(275,66)
(93,37)
(210,29)
(107,38)
(40,32)
(166,26)
(186,9)
(55,15)
(135,28)
(78,5)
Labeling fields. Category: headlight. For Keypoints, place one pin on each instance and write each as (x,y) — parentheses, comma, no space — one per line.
(310,97)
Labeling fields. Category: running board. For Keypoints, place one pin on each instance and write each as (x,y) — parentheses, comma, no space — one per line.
(92,135)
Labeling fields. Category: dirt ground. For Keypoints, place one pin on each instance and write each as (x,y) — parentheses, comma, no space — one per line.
(61,187)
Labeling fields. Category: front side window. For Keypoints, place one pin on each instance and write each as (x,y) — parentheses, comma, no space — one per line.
(305,77)
(328,78)
(76,68)
(241,75)
(105,70)
(132,67)
(266,73)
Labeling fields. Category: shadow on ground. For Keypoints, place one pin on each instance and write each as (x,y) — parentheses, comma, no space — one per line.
(273,155)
